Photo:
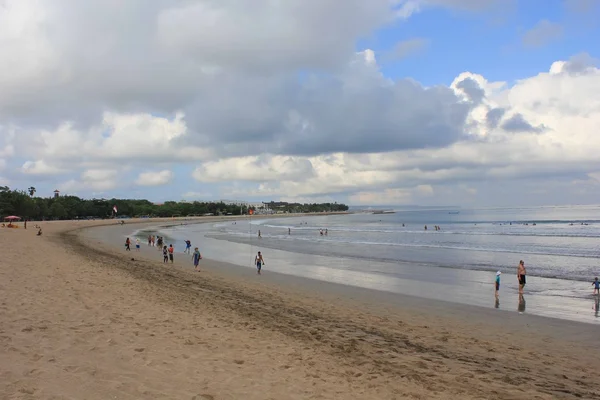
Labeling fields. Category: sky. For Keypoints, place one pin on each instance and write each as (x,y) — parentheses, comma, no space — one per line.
(474,103)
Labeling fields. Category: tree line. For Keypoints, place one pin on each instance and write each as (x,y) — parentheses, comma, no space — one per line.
(28,206)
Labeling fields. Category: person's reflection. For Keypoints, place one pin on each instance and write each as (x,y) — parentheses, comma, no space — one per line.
(596,305)
(497,304)
(521,307)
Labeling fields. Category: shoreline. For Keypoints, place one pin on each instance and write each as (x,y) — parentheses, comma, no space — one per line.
(373,298)
(450,285)
(119,326)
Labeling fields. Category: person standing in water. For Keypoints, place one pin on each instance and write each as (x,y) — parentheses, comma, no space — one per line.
(498,283)
(521,276)
(259,235)
(596,285)
(196,257)
(259,261)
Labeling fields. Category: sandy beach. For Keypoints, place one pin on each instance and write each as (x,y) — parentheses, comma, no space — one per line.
(82,319)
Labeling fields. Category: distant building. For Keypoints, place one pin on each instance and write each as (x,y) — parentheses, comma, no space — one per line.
(56,193)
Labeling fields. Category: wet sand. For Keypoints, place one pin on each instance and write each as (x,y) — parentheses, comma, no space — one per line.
(89,322)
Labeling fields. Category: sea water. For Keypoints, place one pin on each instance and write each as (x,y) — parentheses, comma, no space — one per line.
(392,251)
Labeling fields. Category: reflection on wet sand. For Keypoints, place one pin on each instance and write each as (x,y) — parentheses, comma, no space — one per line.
(521,308)
(596,305)
(497,304)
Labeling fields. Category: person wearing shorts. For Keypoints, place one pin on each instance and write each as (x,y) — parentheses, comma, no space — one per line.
(521,276)
(196,257)
(171,251)
(259,261)
(498,283)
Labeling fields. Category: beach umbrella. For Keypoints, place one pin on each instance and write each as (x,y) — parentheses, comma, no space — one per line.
(12,218)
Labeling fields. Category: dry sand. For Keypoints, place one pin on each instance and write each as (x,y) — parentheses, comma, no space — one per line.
(82,323)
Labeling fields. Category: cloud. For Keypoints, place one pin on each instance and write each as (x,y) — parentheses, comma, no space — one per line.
(272,100)
(540,126)
(40,168)
(409,47)
(543,33)
(255,169)
(154,178)
(517,123)
(97,180)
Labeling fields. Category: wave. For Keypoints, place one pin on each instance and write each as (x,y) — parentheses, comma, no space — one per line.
(552,273)
(329,239)
(334,229)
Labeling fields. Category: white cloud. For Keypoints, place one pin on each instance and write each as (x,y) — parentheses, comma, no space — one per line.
(40,168)
(97,180)
(255,168)
(563,101)
(154,178)
(118,91)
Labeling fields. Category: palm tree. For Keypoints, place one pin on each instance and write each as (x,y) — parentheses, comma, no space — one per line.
(31,191)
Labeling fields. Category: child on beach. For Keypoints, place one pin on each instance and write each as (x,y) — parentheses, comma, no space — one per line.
(165,255)
(498,283)
(188,247)
(196,257)
(137,244)
(596,285)
(171,250)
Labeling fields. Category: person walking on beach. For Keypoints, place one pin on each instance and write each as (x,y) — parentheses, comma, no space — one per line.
(171,251)
(188,247)
(521,276)
(196,257)
(498,283)
(596,285)
(149,240)
(137,244)
(259,235)
(127,244)
(259,261)
(153,241)
(165,255)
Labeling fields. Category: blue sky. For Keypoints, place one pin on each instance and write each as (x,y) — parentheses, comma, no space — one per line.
(349,130)
(488,44)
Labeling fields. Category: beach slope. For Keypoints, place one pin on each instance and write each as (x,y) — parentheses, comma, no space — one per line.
(95,323)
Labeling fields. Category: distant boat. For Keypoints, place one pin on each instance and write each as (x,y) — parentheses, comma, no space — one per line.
(454,212)
(384,212)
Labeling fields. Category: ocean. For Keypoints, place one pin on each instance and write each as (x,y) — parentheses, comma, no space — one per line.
(555,242)
(392,251)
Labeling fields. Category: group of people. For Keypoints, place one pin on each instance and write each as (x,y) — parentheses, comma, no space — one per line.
(155,241)
(167,251)
(436,227)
